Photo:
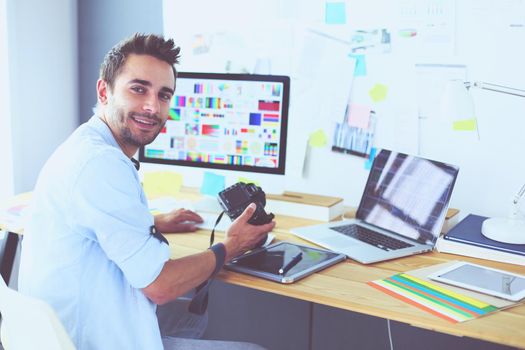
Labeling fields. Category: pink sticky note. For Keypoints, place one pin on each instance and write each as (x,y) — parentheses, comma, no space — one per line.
(359,116)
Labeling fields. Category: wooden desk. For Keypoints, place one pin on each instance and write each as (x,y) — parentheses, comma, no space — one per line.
(344,286)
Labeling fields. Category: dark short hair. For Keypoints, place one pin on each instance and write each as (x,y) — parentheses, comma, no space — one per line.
(140,44)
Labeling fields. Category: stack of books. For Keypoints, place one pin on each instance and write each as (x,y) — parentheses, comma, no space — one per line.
(304,205)
(466,239)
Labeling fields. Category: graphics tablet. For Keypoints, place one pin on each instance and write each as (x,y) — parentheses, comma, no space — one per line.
(284,262)
(502,284)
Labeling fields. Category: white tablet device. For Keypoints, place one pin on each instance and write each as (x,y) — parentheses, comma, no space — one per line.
(499,283)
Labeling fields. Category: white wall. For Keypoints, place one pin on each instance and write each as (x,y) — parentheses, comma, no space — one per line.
(43,60)
(486,36)
(6,159)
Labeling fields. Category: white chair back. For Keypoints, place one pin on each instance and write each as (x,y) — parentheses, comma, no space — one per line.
(29,323)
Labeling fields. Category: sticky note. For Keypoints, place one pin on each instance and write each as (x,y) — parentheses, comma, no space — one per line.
(370,160)
(335,13)
(378,92)
(212,183)
(359,116)
(465,125)
(360,65)
(317,139)
(248,181)
(161,183)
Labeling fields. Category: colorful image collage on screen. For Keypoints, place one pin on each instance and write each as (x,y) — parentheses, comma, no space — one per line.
(222,122)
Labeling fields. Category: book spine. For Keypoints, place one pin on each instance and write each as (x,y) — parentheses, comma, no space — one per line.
(487,246)
(454,247)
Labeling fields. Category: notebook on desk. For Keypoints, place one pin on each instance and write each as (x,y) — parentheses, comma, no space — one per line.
(401,211)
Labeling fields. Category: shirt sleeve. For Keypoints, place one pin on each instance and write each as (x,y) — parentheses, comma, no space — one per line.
(107,200)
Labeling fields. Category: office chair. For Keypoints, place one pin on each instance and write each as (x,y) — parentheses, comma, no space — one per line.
(29,323)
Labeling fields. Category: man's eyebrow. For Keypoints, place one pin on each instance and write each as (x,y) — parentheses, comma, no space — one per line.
(140,81)
(148,83)
(167,89)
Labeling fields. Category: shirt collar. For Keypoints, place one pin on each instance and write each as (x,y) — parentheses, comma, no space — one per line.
(104,130)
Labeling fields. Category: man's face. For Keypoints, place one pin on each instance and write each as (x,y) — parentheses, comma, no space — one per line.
(137,107)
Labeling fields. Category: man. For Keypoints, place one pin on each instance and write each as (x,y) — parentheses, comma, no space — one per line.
(89,248)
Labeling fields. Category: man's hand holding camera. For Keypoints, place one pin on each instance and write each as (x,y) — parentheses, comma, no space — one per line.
(242,236)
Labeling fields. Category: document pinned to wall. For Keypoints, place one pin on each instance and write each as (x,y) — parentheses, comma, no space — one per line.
(426,27)
(322,81)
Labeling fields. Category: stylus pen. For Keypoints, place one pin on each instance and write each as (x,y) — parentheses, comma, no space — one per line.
(286,267)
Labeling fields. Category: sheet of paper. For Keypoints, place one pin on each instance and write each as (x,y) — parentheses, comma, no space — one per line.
(360,65)
(465,125)
(317,139)
(370,160)
(335,12)
(212,183)
(378,92)
(209,221)
(161,183)
(359,116)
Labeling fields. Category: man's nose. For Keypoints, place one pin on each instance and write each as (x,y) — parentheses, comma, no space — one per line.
(151,104)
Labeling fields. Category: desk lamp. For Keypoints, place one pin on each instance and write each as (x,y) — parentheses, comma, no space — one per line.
(512,228)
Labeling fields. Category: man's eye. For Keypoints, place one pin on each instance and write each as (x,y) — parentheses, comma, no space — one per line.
(138,89)
(165,97)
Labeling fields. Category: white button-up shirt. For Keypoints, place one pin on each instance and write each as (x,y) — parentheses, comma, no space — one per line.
(87,250)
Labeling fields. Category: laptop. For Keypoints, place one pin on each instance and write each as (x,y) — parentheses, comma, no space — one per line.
(401,212)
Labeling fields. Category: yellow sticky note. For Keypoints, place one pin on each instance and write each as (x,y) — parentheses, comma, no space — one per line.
(378,92)
(248,181)
(161,183)
(317,139)
(465,125)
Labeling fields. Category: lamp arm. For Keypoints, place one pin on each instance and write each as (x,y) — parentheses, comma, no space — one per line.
(515,202)
(495,87)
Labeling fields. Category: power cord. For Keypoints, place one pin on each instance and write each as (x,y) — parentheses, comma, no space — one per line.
(389,334)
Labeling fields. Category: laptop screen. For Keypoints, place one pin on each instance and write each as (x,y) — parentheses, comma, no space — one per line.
(408,195)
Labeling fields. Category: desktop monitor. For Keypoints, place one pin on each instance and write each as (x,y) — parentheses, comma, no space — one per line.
(225,121)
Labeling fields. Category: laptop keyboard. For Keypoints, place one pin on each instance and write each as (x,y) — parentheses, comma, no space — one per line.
(374,238)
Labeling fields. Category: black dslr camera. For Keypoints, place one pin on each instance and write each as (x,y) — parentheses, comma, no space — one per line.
(236,198)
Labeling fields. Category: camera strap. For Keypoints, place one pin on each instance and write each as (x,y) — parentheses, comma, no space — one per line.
(199,302)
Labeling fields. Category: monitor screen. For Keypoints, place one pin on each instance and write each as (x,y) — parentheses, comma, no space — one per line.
(225,121)
(408,195)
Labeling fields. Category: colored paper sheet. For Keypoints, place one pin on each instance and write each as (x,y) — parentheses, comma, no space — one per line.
(161,183)
(370,160)
(212,183)
(359,116)
(360,65)
(248,181)
(317,139)
(444,303)
(465,125)
(335,13)
(378,92)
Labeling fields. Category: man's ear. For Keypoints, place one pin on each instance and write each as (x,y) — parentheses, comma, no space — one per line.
(102,91)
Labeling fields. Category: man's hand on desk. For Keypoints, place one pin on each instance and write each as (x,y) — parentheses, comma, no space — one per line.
(242,236)
(179,220)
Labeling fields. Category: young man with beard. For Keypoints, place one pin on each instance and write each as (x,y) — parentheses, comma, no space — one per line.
(89,250)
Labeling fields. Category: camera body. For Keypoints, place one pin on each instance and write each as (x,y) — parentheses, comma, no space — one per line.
(236,198)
